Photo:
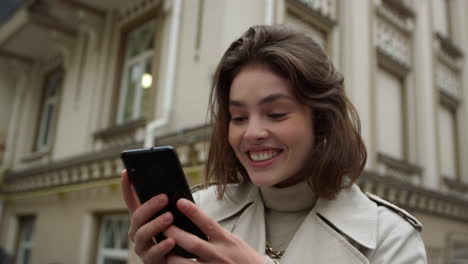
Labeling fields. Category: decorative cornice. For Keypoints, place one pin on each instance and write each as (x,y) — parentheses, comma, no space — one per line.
(137,9)
(393,43)
(78,5)
(124,128)
(84,168)
(131,132)
(395,19)
(448,46)
(192,146)
(16,57)
(320,13)
(400,7)
(455,184)
(415,198)
(449,100)
(391,63)
(401,165)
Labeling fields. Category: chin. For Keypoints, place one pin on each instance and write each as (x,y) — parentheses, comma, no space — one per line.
(262,180)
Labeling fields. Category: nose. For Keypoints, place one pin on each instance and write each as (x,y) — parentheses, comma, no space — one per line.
(255,131)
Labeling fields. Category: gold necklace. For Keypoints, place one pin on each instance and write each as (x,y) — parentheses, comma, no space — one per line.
(274,254)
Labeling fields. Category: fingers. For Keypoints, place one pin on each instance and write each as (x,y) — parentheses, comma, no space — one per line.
(157,253)
(191,243)
(144,235)
(174,259)
(145,212)
(206,224)
(128,192)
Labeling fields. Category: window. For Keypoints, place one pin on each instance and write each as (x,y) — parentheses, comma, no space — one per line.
(113,239)
(447,142)
(48,109)
(459,253)
(137,78)
(390,107)
(25,239)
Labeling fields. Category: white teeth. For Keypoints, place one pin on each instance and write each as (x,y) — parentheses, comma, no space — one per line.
(263,155)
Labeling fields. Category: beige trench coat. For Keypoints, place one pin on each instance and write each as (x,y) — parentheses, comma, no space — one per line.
(353,228)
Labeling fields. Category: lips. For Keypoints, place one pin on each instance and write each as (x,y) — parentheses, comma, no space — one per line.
(263,155)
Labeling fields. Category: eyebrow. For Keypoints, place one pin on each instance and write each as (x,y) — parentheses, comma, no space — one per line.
(268,99)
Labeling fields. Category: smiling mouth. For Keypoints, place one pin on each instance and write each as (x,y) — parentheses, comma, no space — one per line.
(263,155)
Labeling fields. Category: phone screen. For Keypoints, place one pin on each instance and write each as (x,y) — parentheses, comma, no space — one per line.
(157,170)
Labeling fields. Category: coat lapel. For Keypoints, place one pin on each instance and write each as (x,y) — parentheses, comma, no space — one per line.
(250,226)
(317,238)
(352,213)
(316,242)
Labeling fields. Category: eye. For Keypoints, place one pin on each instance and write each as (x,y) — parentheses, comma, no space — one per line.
(238,118)
(277,116)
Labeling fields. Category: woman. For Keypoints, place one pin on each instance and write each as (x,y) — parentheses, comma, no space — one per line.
(284,155)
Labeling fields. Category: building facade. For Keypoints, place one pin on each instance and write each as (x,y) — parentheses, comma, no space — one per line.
(81,80)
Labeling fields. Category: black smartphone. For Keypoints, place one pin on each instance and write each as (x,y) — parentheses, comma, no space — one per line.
(157,170)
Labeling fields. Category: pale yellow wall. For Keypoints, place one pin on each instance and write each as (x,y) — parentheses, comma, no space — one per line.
(7,93)
(194,75)
(64,227)
(76,107)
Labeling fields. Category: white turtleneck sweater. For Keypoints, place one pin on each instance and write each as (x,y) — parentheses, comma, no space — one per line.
(285,210)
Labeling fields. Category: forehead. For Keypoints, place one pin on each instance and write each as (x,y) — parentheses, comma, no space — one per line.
(254,82)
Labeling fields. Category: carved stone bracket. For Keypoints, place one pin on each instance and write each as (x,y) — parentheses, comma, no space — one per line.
(326,8)
(93,25)
(447,80)
(65,44)
(393,42)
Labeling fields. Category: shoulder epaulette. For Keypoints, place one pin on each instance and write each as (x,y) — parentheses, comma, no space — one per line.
(196,188)
(402,213)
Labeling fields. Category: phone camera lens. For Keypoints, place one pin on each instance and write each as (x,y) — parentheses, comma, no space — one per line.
(132,169)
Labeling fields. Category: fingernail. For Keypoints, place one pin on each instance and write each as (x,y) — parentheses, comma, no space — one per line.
(166,217)
(161,198)
(183,204)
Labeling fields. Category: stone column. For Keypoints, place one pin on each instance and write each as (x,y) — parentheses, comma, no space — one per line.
(356,22)
(426,100)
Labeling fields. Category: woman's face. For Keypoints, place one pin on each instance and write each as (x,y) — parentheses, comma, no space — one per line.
(270,131)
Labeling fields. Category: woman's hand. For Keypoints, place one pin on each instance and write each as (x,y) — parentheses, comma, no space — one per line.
(221,247)
(141,231)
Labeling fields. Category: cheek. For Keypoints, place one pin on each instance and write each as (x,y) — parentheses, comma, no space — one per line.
(233,138)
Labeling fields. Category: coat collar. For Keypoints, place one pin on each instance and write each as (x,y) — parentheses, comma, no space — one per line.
(237,198)
(351,211)
(353,214)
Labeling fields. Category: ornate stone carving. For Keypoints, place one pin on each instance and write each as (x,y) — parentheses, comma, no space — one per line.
(326,8)
(393,43)
(447,79)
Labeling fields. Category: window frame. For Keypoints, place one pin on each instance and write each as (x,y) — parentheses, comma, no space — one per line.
(21,246)
(120,76)
(45,101)
(113,253)
(404,128)
(451,105)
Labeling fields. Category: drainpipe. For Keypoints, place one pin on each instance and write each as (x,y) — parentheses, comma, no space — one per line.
(270,12)
(163,120)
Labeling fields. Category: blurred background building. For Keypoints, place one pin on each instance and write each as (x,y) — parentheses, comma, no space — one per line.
(81,80)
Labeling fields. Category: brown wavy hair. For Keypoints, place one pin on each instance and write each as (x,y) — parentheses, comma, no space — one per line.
(339,150)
